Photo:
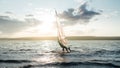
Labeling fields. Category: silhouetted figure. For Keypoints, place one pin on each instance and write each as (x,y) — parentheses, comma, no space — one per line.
(64,47)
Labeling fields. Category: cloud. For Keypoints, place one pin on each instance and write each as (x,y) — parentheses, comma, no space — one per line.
(8,12)
(110,14)
(83,1)
(10,25)
(78,29)
(80,1)
(81,14)
(29,15)
(32,21)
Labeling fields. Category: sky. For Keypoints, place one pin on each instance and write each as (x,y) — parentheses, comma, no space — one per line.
(35,18)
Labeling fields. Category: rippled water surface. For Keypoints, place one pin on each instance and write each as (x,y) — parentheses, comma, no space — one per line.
(48,54)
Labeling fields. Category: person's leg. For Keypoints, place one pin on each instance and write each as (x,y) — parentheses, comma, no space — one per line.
(63,49)
(66,49)
(69,49)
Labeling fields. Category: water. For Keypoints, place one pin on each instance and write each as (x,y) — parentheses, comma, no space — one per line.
(48,54)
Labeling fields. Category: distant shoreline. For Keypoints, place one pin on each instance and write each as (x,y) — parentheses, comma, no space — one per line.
(69,38)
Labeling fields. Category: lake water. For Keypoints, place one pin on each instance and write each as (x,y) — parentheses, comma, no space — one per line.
(48,54)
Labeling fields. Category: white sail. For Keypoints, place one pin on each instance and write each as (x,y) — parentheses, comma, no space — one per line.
(61,37)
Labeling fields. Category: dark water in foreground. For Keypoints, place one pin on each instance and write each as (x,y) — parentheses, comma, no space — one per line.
(47,54)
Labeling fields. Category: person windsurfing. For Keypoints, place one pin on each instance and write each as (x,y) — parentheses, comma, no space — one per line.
(61,37)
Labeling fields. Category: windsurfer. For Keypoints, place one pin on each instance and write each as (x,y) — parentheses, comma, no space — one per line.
(63,46)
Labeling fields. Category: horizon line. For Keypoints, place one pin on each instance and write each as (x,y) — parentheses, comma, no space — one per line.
(68,37)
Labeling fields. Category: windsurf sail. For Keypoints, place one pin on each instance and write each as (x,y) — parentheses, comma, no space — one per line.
(61,36)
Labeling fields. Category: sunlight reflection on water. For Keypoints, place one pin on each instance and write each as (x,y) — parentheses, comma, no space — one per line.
(49,58)
(49,55)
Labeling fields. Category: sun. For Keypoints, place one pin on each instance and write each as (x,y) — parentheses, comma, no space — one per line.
(47,17)
(48,21)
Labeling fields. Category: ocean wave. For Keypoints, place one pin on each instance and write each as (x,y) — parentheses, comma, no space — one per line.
(103,51)
(74,64)
(20,49)
(15,61)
